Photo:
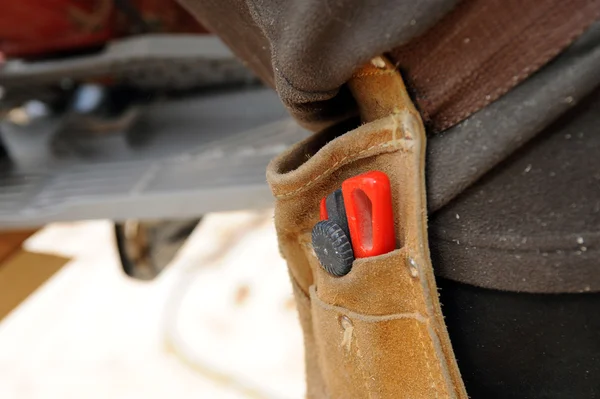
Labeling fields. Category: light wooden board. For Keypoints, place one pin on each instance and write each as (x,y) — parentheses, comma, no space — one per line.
(22,273)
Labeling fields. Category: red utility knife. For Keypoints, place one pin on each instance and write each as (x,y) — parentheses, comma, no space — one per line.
(356,222)
(368,203)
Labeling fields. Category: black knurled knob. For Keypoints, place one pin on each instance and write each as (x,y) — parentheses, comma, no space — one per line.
(333,248)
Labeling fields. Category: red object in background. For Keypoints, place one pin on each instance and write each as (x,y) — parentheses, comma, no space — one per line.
(36,27)
(368,203)
(42,27)
(167,16)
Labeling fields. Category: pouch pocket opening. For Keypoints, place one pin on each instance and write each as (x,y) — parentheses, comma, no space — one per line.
(315,143)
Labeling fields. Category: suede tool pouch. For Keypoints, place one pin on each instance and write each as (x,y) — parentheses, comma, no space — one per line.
(377,332)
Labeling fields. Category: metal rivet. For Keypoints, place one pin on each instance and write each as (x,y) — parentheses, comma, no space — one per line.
(378,62)
(348,330)
(413,267)
(345,322)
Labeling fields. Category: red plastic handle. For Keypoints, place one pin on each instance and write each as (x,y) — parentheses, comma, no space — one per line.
(368,203)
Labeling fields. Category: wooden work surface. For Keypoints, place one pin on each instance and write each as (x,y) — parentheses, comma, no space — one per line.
(22,272)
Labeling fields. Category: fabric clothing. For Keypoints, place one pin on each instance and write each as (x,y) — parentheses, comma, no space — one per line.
(514,191)
(524,346)
(526,199)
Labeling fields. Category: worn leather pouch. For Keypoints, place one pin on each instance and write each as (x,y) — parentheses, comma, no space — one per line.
(377,332)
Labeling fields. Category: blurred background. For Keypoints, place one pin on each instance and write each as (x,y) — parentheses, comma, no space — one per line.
(219,322)
(137,253)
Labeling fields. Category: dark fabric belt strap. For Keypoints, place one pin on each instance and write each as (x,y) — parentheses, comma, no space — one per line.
(483,48)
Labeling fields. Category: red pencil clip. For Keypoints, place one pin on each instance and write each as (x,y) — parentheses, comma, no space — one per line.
(323,214)
(368,203)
